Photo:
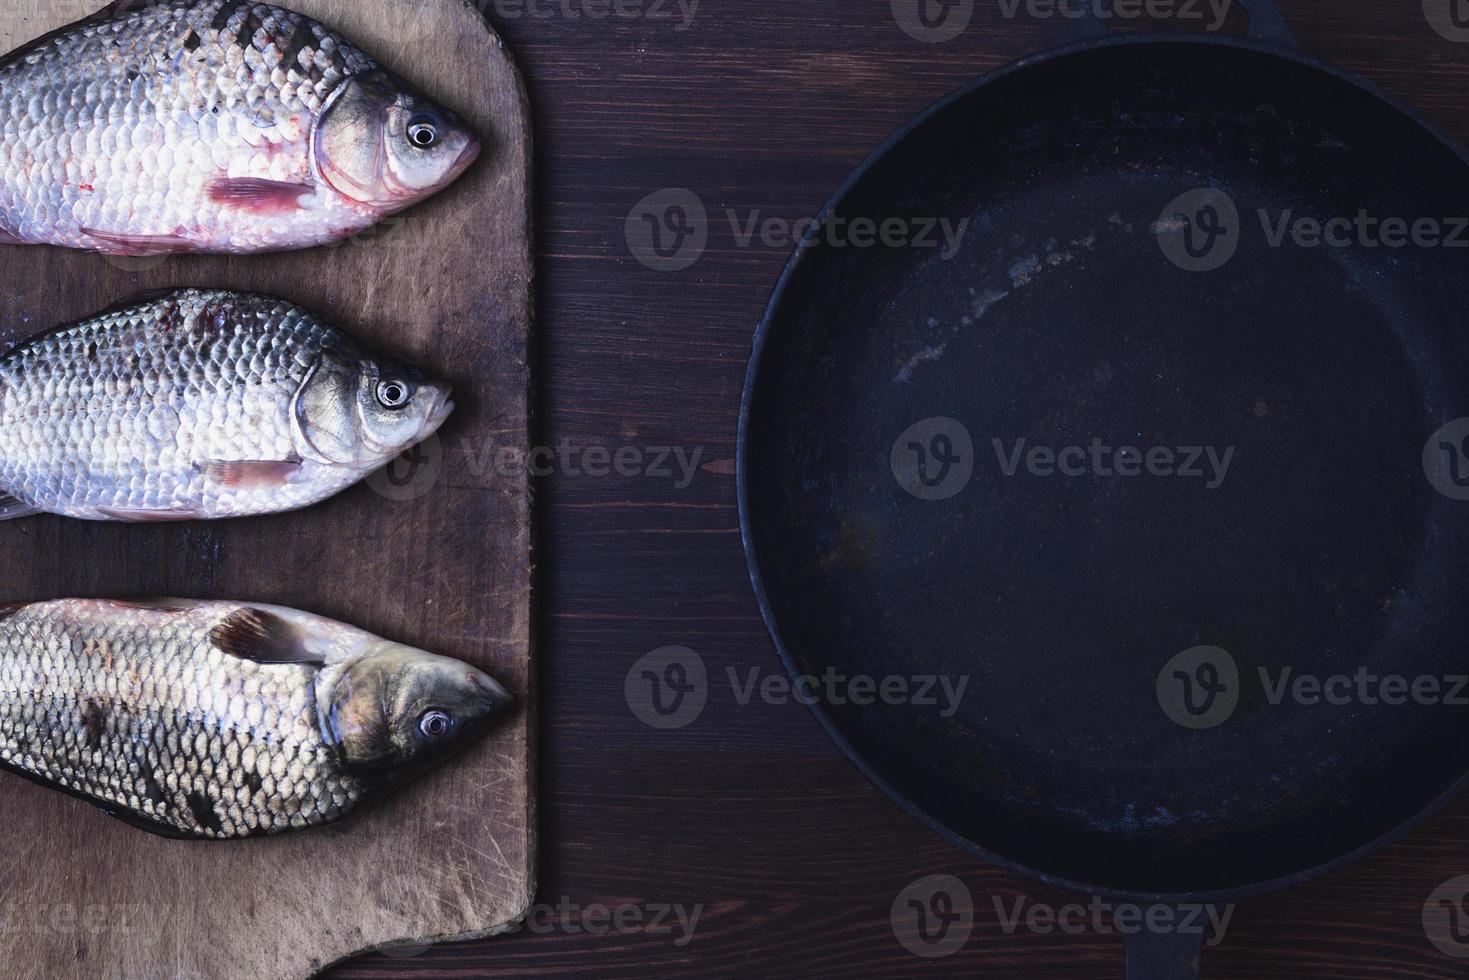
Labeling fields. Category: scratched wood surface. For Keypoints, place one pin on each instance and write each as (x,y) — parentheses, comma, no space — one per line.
(436,555)
(750,811)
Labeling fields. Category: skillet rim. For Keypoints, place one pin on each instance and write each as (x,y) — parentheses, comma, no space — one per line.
(757,360)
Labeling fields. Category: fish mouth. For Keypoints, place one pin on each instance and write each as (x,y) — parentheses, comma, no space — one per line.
(466,159)
(438,415)
(494,699)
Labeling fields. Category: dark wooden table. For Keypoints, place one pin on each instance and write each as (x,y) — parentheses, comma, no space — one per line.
(749,813)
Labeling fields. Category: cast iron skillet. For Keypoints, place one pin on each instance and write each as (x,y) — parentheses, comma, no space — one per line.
(1087,752)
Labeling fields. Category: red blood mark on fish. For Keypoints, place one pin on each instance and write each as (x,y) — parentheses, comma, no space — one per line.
(170,318)
(250,474)
(256,195)
(88,188)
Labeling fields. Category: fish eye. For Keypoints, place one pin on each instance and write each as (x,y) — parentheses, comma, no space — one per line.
(435,724)
(393,394)
(423,131)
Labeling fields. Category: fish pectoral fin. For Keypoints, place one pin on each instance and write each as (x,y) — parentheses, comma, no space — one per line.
(263,637)
(13,509)
(250,474)
(138,245)
(257,195)
(137,516)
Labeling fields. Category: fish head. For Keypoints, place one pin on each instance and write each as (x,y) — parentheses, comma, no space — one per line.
(395,710)
(361,412)
(386,147)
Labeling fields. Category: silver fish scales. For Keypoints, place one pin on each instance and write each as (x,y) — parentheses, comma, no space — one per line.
(200,404)
(211,125)
(221,720)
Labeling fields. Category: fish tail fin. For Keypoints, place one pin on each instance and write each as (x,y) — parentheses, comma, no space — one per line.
(12,508)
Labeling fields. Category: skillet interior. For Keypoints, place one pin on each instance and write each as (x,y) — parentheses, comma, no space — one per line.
(1061,320)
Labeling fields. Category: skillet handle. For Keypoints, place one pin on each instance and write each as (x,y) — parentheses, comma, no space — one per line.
(1174,956)
(1266,24)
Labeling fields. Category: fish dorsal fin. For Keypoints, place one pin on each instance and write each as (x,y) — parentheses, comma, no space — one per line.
(158,604)
(140,298)
(113,11)
(262,637)
(120,8)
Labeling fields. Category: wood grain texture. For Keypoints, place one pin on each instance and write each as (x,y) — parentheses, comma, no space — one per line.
(440,559)
(750,810)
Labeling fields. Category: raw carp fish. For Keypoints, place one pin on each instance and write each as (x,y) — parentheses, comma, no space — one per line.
(200,405)
(220,720)
(161,126)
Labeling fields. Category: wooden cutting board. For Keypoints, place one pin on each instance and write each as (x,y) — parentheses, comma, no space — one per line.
(436,555)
